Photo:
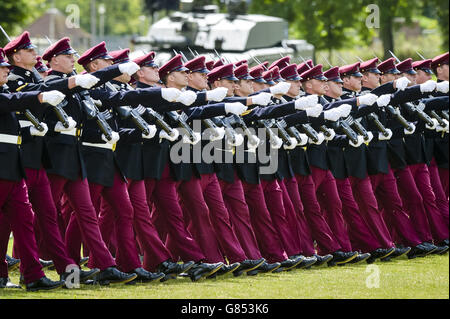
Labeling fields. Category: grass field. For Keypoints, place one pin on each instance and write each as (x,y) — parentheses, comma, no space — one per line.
(420,278)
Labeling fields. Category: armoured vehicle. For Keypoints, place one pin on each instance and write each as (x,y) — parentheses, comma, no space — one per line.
(201,29)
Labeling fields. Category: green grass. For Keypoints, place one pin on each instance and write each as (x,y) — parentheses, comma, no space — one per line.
(420,278)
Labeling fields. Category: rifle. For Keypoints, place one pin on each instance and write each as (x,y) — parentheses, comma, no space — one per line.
(399,117)
(374,118)
(181,120)
(412,108)
(159,119)
(126,112)
(90,107)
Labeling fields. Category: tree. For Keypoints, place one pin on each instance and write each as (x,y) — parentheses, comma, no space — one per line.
(15,14)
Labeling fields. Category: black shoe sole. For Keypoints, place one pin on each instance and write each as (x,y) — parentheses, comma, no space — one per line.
(95,273)
(334,263)
(14,267)
(200,276)
(295,265)
(109,282)
(45,288)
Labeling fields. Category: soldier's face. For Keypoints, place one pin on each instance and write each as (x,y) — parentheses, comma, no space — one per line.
(4,71)
(442,72)
(422,77)
(63,63)
(388,77)
(25,57)
(230,85)
(258,86)
(244,87)
(148,74)
(371,80)
(316,87)
(411,78)
(333,89)
(198,80)
(178,80)
(295,88)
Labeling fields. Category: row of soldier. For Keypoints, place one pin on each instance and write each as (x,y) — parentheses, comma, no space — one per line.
(87,161)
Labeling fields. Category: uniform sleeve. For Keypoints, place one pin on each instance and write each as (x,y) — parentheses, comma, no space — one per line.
(18,102)
(270,112)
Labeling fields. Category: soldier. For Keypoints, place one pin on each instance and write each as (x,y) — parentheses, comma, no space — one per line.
(439,66)
(42,69)
(219,216)
(37,156)
(267,236)
(424,73)
(413,179)
(380,173)
(15,209)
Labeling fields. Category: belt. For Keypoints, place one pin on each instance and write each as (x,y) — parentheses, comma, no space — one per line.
(24,124)
(10,139)
(101,145)
(72,132)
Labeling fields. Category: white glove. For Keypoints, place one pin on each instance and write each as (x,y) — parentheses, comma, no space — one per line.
(332,115)
(152,132)
(442,87)
(129,68)
(293,145)
(252,147)
(402,83)
(172,137)
(114,138)
(217,95)
(239,139)
(276,143)
(412,131)
(59,127)
(359,143)
(434,126)
(86,81)
(197,138)
(381,137)
(170,94)
(35,132)
(367,99)
(333,134)
(303,139)
(235,108)
(215,135)
(306,102)
(187,98)
(369,137)
(320,140)
(314,111)
(440,128)
(428,86)
(345,110)
(384,100)
(262,99)
(280,89)
(53,97)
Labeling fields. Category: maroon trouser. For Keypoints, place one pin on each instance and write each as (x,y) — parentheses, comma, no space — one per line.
(361,237)
(16,215)
(127,257)
(444,176)
(320,230)
(40,195)
(386,192)
(431,214)
(197,218)
(168,220)
(273,195)
(441,198)
(234,198)
(220,219)
(296,217)
(329,200)
(368,208)
(151,245)
(83,220)
(268,240)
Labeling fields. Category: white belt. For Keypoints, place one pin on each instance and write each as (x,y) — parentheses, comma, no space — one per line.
(72,132)
(10,139)
(24,124)
(100,145)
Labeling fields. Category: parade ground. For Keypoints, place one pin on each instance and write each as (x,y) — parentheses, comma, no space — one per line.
(420,278)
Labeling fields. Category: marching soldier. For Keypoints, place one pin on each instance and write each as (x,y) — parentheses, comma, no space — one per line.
(15,208)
